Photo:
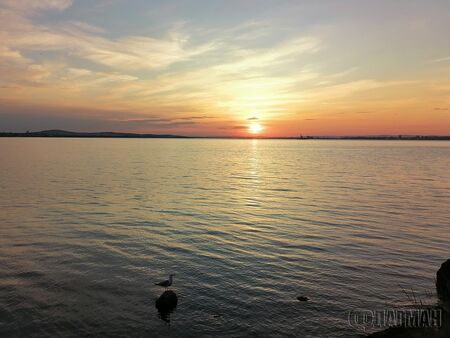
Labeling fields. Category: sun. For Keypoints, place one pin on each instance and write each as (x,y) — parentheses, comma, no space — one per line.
(255,128)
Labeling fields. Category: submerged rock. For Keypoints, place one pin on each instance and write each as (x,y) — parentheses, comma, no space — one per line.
(167,301)
(302,298)
(443,281)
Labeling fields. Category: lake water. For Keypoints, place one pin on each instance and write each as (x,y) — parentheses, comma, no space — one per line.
(88,225)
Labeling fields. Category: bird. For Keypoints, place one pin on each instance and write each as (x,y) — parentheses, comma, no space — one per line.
(167,282)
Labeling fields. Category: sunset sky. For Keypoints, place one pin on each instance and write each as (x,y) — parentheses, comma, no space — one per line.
(226,68)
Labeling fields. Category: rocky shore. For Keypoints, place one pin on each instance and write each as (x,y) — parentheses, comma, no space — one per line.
(443,304)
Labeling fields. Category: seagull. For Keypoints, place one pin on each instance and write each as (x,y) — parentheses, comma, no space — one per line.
(166,283)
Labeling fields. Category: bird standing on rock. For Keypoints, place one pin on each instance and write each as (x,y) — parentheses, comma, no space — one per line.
(166,283)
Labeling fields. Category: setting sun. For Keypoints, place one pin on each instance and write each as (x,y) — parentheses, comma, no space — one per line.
(255,128)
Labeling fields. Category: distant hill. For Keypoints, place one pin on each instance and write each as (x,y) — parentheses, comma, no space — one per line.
(65,133)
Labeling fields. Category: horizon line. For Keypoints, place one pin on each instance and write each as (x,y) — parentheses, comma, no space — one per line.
(115,134)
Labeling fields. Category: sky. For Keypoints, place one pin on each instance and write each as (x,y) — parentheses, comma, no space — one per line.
(266,68)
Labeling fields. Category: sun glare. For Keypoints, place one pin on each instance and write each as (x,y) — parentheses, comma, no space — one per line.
(255,128)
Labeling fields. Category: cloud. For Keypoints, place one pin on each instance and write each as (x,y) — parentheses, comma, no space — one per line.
(217,70)
(239,127)
(194,117)
(155,121)
(14,118)
(33,5)
(134,52)
(74,38)
(7,55)
(443,59)
(343,90)
(264,57)
(98,77)
(161,121)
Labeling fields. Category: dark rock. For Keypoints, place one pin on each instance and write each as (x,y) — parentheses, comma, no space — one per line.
(167,301)
(418,332)
(443,281)
(302,298)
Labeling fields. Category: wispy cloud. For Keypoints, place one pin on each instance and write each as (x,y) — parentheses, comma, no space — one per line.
(85,41)
(30,6)
(443,59)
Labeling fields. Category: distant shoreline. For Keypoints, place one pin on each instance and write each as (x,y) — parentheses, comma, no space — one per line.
(72,134)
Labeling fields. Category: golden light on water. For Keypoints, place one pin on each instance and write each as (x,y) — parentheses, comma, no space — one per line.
(255,128)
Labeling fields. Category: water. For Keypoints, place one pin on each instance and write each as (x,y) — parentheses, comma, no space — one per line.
(88,225)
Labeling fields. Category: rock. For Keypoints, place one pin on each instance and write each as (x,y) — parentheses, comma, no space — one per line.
(167,301)
(443,281)
(302,298)
(401,332)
